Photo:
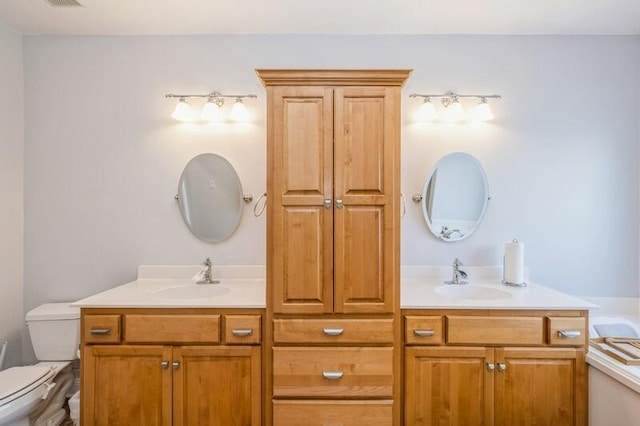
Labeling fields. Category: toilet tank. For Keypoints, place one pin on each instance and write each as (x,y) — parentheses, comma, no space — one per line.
(55,331)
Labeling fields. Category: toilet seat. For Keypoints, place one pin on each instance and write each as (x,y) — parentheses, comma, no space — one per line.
(18,381)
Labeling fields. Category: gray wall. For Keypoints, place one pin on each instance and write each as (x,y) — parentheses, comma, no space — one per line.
(103,157)
(11,192)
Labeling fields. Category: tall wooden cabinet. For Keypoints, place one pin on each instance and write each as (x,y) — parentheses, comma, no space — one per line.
(333,237)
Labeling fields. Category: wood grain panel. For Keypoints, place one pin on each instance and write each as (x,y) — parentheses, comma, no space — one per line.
(126,385)
(217,386)
(484,330)
(149,328)
(324,413)
(333,331)
(448,386)
(537,387)
(298,372)
(242,329)
(558,324)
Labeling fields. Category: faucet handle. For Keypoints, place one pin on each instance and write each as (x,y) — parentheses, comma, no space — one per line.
(456,262)
(207,262)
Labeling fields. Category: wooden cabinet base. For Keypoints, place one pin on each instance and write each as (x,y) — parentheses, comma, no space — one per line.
(322,413)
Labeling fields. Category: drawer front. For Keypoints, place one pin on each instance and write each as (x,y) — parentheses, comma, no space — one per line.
(172,328)
(354,331)
(334,413)
(332,372)
(481,330)
(567,331)
(423,330)
(101,329)
(242,329)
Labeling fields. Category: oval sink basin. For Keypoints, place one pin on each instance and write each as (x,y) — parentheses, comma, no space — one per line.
(196,291)
(472,292)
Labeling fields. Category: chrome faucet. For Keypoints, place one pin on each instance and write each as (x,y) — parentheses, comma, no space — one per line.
(446,233)
(458,274)
(205,276)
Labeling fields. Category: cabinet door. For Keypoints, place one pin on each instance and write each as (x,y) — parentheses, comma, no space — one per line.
(366,187)
(540,387)
(300,229)
(448,386)
(126,385)
(217,386)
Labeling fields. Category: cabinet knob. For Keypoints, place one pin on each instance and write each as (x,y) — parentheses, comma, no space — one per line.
(164,365)
(423,332)
(338,204)
(569,334)
(333,331)
(491,366)
(175,365)
(332,375)
(501,367)
(242,332)
(327,203)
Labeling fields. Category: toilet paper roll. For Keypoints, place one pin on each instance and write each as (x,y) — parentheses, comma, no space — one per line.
(514,262)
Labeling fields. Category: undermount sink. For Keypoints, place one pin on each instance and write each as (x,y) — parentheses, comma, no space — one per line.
(195,291)
(472,292)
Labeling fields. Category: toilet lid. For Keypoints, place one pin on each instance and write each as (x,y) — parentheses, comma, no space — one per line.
(16,381)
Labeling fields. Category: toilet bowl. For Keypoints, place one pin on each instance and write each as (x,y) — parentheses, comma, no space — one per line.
(36,391)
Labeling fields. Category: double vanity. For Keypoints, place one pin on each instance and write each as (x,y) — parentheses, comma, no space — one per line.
(327,333)
(170,351)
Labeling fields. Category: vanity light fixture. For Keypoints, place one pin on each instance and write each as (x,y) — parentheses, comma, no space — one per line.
(453,111)
(212,109)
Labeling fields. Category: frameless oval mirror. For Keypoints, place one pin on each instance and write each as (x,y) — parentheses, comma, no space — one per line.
(210,197)
(455,197)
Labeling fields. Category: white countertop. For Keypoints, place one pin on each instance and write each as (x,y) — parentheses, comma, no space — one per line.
(424,288)
(245,289)
(421,288)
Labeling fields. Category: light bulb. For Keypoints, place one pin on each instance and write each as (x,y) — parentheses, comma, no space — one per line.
(212,111)
(239,111)
(453,112)
(183,111)
(427,111)
(482,112)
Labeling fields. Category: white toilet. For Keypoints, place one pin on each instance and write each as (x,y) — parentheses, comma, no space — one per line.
(37,391)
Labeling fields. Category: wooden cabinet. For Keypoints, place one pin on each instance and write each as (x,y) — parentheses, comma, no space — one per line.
(141,374)
(333,236)
(486,373)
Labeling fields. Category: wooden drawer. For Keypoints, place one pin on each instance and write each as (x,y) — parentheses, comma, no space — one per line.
(423,330)
(483,330)
(352,331)
(565,331)
(242,329)
(332,372)
(323,413)
(101,329)
(172,329)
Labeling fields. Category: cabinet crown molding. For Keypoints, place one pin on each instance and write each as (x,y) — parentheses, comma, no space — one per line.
(329,77)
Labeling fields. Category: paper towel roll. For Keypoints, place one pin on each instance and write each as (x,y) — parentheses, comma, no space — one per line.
(514,262)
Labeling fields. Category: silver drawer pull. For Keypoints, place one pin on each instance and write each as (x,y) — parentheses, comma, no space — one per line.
(423,332)
(100,331)
(164,365)
(332,375)
(333,331)
(501,367)
(491,366)
(569,334)
(242,332)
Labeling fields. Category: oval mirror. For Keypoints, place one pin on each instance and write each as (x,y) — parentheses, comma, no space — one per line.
(455,197)
(210,197)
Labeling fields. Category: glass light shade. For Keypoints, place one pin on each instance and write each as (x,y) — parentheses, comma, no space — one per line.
(212,112)
(453,112)
(183,112)
(239,111)
(483,112)
(426,112)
